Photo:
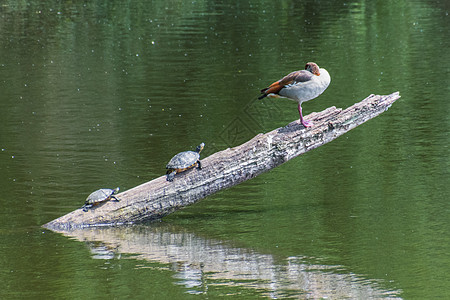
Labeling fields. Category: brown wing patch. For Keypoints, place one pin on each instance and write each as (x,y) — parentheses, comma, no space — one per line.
(294,77)
(297,76)
(274,87)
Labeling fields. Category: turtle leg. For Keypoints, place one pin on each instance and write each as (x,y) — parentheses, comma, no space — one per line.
(199,165)
(171,176)
(114,198)
(86,207)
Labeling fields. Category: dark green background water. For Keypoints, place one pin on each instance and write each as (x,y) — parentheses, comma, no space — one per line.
(103,93)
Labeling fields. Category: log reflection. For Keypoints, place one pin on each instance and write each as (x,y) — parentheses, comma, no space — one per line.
(200,262)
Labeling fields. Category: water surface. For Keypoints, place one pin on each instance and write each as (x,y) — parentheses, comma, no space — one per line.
(103,94)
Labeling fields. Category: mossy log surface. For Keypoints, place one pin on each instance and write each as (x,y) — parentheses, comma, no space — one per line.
(158,198)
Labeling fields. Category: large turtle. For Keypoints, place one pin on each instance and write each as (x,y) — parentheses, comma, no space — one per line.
(100,196)
(184,161)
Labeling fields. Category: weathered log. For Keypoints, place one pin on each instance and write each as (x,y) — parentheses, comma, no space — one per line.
(158,198)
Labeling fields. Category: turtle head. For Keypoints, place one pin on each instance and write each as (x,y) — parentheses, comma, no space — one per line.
(116,190)
(200,147)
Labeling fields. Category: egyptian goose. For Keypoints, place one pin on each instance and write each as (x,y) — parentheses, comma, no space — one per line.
(300,86)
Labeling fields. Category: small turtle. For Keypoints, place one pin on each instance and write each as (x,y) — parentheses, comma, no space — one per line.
(99,196)
(184,161)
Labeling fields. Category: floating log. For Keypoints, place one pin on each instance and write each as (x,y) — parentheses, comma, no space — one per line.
(158,198)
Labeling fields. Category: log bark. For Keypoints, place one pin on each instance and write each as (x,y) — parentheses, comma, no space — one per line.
(158,198)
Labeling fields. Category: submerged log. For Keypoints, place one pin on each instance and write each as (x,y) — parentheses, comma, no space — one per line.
(158,198)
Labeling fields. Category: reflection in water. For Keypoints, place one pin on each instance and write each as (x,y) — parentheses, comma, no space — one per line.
(102,251)
(199,263)
(96,93)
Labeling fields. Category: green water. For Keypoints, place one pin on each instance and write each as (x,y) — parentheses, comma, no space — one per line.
(103,93)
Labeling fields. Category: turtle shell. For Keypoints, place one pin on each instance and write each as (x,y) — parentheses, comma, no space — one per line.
(99,196)
(183,160)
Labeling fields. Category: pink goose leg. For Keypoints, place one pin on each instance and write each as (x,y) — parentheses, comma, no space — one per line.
(304,123)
